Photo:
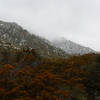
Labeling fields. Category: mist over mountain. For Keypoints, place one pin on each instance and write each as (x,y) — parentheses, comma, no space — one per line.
(49,49)
(27,59)
(71,47)
(19,37)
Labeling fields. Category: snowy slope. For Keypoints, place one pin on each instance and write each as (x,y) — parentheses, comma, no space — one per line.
(71,47)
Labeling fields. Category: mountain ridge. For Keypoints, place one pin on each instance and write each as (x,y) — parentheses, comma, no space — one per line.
(19,37)
(71,47)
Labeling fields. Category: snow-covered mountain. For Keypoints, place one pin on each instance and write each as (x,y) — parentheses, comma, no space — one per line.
(19,37)
(71,47)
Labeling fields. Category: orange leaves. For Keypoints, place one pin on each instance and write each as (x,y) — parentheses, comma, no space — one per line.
(9,67)
(37,84)
(67,94)
(53,79)
(39,98)
(19,99)
(55,98)
(21,73)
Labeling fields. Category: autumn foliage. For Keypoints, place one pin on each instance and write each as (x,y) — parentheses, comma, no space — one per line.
(27,76)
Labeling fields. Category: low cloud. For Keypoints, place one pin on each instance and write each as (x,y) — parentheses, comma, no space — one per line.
(77,20)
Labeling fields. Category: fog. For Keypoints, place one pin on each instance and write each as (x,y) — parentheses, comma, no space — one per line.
(76,20)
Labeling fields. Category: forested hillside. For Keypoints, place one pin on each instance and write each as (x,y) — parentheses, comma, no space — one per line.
(25,75)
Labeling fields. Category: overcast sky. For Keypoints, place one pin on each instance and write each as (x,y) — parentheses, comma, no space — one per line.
(76,20)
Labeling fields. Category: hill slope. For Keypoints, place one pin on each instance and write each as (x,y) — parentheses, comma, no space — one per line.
(19,37)
(70,47)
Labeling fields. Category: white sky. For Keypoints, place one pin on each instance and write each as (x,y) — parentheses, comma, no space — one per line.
(76,20)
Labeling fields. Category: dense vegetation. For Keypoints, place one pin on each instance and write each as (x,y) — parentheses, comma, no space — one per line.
(24,75)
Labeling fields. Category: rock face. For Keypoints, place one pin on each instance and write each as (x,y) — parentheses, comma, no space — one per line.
(70,47)
(19,37)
